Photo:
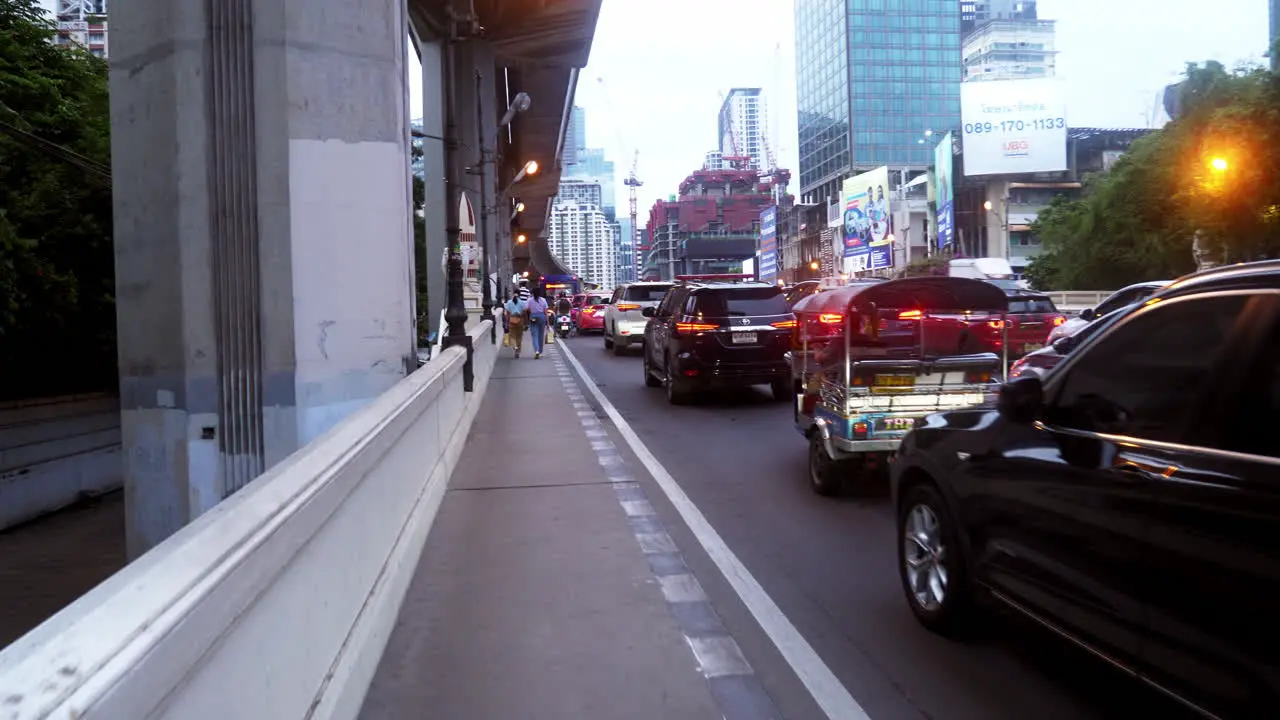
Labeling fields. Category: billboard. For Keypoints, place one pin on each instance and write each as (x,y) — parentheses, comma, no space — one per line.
(865,229)
(769,244)
(1013,126)
(946,217)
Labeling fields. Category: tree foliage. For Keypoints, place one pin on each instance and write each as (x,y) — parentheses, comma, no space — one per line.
(1138,221)
(57,315)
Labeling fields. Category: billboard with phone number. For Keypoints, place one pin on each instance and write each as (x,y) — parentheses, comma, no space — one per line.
(1013,126)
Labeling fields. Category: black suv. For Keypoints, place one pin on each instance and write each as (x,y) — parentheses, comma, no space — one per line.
(1129,500)
(707,334)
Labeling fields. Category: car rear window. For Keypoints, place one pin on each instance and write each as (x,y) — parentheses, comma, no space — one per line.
(1024,306)
(646,293)
(739,302)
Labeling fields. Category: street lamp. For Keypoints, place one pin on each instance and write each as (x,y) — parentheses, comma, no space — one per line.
(987,205)
(521,238)
(1219,164)
(519,104)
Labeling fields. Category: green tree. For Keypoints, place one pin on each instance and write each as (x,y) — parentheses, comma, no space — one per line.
(1138,221)
(57,316)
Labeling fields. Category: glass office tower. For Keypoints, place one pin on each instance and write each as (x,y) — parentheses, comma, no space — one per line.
(872,77)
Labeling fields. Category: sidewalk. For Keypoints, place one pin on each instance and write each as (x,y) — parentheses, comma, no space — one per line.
(534,598)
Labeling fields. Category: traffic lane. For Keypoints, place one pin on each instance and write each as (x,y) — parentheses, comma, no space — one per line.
(830,564)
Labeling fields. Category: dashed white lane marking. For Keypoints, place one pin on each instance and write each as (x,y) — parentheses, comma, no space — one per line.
(681,588)
(822,684)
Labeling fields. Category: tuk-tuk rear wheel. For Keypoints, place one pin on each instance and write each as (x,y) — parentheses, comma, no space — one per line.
(826,475)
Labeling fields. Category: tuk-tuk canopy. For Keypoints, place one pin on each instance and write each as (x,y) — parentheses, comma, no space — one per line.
(929,294)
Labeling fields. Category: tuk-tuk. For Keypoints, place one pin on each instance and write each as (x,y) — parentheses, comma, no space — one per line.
(870,360)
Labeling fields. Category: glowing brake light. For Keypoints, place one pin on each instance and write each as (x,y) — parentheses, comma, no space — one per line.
(1058,320)
(977,378)
(628,306)
(589,310)
(695,327)
(830,318)
(996,324)
(784,324)
(910,315)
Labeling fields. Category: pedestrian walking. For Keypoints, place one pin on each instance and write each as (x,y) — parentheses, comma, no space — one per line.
(536,311)
(513,312)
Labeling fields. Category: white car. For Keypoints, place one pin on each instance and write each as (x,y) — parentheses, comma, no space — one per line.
(623,319)
(1115,301)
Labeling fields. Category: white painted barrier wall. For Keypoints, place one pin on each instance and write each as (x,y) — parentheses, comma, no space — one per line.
(279,601)
(56,451)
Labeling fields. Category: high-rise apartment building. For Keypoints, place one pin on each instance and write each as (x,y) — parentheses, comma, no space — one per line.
(742,125)
(580,191)
(1010,50)
(83,22)
(585,240)
(869,83)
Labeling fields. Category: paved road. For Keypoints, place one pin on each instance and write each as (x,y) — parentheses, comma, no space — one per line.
(830,566)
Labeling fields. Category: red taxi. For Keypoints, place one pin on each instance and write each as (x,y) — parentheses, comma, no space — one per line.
(589,315)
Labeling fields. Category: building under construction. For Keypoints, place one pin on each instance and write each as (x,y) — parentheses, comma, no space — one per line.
(712,226)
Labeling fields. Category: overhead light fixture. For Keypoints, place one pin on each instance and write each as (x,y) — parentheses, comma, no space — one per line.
(519,104)
(519,207)
(521,238)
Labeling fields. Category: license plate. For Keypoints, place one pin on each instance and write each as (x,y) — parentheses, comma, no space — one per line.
(895,381)
(743,338)
(895,424)
(1032,348)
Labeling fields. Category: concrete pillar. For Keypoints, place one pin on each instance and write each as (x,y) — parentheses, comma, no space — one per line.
(479,183)
(264,260)
(436,192)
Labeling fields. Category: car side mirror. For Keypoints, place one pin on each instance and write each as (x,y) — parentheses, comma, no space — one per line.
(649,312)
(1021,400)
(1088,314)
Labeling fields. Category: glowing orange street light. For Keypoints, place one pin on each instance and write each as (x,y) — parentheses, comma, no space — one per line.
(1219,164)
(521,238)
(813,265)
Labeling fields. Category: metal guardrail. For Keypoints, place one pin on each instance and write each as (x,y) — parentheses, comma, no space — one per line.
(278,602)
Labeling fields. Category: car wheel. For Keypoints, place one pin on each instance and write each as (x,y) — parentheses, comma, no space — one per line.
(781,389)
(649,379)
(825,475)
(934,575)
(608,339)
(677,391)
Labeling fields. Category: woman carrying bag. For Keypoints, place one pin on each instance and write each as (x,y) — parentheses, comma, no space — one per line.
(513,313)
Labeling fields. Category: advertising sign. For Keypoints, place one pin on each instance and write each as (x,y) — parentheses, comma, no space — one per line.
(769,244)
(865,230)
(946,219)
(1013,126)
(73,26)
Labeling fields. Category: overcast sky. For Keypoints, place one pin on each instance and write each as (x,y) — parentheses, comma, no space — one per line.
(658,67)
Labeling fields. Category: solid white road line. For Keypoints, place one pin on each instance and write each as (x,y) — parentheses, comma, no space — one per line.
(822,684)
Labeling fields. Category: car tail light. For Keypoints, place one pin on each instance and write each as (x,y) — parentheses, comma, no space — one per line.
(695,327)
(1058,320)
(785,324)
(977,378)
(995,324)
(910,315)
(830,318)
(859,430)
(628,306)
